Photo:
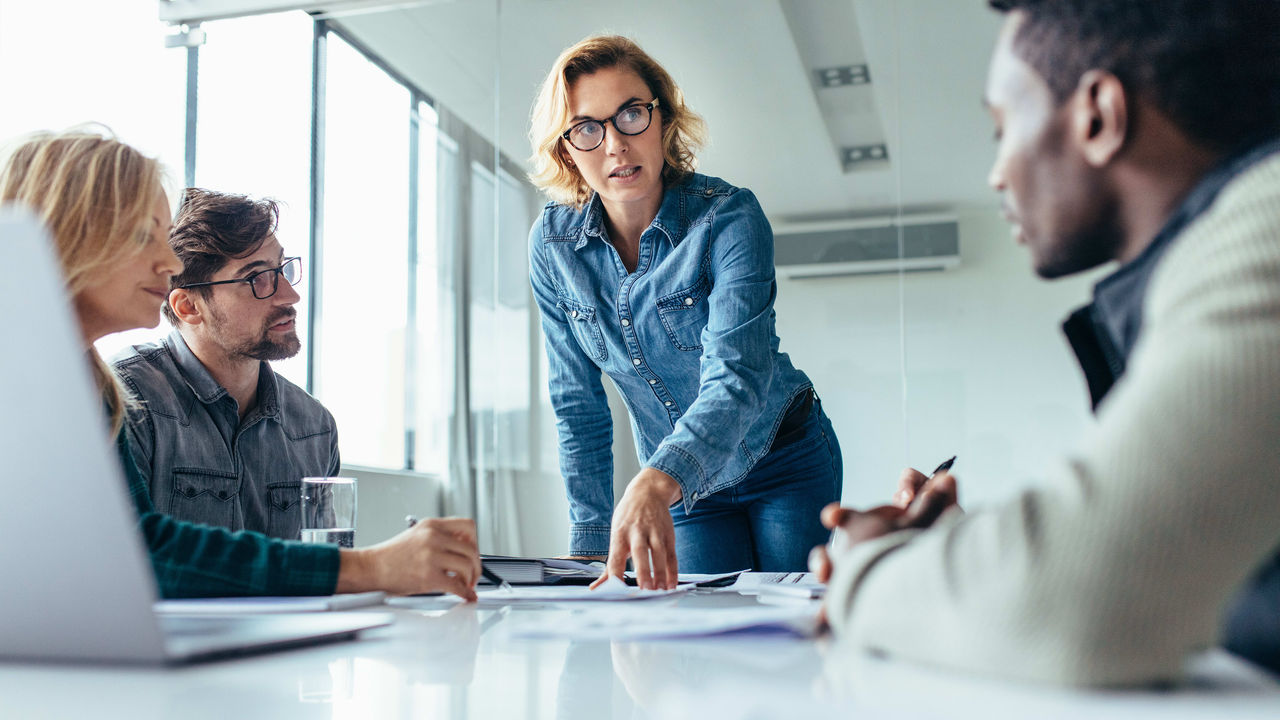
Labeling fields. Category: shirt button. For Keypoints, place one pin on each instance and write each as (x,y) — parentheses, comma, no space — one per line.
(635,361)
(710,192)
(653,382)
(688,301)
(573,314)
(667,403)
(625,322)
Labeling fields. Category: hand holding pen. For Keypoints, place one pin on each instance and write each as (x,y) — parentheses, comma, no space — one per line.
(912,482)
(919,502)
(488,574)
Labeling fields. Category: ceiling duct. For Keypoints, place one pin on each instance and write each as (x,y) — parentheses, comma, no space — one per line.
(829,46)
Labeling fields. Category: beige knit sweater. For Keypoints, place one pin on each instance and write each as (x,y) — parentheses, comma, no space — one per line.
(1121,563)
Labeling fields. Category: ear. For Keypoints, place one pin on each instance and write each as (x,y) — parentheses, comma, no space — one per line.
(187,305)
(1100,117)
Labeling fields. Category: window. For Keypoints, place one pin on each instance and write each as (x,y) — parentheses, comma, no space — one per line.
(253,130)
(135,86)
(361,322)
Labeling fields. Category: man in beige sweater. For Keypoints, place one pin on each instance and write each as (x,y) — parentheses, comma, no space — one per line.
(1145,132)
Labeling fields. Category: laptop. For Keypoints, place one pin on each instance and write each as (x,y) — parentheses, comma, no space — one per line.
(78,583)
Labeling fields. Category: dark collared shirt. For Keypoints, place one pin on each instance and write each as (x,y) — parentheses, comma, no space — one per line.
(202,463)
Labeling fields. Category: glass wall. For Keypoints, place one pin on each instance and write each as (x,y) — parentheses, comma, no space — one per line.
(854,123)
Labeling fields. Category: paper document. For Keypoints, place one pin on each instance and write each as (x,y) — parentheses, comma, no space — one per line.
(613,590)
(652,623)
(701,579)
(751,583)
(254,605)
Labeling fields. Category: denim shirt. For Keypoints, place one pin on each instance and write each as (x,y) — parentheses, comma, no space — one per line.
(688,339)
(202,463)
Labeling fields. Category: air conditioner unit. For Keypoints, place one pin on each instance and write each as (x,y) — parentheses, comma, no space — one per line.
(909,243)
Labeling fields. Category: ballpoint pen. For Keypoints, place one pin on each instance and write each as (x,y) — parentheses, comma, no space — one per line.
(488,574)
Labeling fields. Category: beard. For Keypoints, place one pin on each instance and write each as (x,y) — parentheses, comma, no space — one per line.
(261,345)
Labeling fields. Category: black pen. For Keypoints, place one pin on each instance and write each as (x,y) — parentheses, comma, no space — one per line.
(946,465)
(488,574)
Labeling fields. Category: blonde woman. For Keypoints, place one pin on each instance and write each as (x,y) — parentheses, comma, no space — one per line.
(109,218)
(663,279)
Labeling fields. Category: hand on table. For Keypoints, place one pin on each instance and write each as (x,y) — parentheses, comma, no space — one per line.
(435,555)
(642,530)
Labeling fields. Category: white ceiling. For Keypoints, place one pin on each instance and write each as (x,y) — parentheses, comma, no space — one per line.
(739,67)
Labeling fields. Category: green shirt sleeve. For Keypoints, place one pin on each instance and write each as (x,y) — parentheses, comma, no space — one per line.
(192,560)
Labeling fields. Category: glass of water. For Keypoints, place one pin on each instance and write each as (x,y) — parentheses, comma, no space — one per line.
(329,510)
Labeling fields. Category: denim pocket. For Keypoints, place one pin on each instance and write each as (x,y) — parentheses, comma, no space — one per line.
(582,318)
(205,496)
(285,519)
(684,314)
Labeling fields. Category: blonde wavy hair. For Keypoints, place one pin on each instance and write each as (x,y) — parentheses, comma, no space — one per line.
(683,131)
(94,194)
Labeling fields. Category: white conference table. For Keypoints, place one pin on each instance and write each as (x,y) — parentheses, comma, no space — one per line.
(441,660)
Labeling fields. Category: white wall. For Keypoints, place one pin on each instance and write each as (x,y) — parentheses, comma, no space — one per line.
(989,378)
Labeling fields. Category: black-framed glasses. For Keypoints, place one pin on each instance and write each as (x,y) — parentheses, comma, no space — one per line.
(630,120)
(264,283)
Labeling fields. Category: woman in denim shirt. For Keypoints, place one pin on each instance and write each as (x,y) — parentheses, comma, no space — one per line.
(664,279)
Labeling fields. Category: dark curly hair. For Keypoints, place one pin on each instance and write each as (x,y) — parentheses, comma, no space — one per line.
(214,228)
(1212,66)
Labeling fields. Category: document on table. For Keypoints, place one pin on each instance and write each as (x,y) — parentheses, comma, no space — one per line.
(700,579)
(795,584)
(655,623)
(612,590)
(255,605)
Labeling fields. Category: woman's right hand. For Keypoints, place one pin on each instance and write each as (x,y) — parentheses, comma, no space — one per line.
(435,555)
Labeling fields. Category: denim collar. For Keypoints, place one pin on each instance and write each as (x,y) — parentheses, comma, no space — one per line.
(207,389)
(1117,299)
(668,219)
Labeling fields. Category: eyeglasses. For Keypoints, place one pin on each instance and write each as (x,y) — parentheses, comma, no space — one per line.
(264,283)
(630,120)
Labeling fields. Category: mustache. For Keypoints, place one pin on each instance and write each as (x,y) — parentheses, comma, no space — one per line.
(282,316)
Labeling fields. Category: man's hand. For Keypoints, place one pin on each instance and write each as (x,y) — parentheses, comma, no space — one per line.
(926,500)
(435,555)
(642,530)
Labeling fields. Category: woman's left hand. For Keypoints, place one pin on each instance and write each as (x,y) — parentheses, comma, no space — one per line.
(642,530)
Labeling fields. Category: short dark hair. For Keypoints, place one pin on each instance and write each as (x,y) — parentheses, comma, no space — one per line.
(1212,66)
(214,228)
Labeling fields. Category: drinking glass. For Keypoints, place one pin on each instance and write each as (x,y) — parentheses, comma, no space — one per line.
(329,510)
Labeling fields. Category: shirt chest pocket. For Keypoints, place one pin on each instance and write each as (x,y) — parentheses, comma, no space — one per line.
(582,322)
(684,315)
(285,516)
(206,496)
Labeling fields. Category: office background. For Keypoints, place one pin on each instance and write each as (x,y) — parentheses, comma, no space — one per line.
(394,134)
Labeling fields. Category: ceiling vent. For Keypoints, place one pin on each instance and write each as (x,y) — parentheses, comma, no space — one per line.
(867,246)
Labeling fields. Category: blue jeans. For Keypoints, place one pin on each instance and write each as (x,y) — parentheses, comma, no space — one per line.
(769,521)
